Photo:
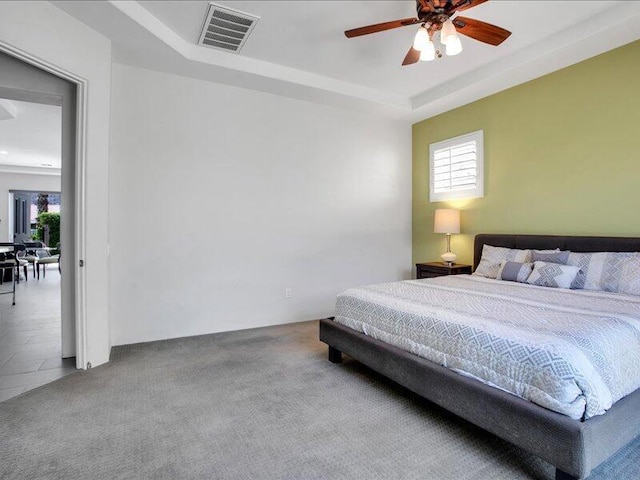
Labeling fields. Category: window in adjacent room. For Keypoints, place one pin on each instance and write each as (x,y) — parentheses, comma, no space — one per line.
(456,167)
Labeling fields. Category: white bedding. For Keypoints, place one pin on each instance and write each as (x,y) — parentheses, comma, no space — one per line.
(572,351)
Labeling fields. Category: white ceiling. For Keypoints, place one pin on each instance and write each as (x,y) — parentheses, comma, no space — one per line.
(298,48)
(31,136)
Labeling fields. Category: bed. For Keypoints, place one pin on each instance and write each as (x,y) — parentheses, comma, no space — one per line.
(575,446)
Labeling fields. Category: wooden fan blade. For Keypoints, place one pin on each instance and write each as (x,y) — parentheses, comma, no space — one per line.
(460,5)
(482,31)
(413,56)
(380,27)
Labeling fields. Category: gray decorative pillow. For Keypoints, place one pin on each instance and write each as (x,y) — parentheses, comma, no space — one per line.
(554,257)
(617,272)
(552,275)
(492,257)
(514,271)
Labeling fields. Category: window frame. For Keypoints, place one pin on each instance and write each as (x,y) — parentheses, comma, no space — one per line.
(474,192)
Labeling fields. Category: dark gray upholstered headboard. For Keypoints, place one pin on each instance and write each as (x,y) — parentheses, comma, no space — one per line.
(542,242)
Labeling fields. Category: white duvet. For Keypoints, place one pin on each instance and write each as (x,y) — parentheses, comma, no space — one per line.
(572,351)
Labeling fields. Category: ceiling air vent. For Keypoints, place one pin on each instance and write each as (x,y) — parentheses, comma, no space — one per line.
(226,29)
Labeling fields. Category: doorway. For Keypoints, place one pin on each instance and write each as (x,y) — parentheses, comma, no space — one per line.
(21,203)
(21,83)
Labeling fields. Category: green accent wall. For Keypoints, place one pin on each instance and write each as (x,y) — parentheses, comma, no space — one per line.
(561,156)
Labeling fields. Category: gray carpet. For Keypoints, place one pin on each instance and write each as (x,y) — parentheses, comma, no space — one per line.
(254,404)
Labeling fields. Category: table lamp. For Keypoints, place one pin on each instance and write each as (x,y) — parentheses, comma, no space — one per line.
(447,221)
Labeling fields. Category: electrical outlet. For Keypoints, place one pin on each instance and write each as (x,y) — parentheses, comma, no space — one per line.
(287,293)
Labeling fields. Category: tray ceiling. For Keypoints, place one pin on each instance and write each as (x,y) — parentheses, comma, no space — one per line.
(298,49)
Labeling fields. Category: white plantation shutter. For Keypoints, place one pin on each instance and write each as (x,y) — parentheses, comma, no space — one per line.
(456,168)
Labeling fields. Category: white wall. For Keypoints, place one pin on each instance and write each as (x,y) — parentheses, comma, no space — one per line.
(21,181)
(45,32)
(221,198)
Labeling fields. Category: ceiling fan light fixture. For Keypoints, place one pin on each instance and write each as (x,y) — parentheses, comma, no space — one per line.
(447,32)
(421,39)
(435,16)
(454,46)
(428,53)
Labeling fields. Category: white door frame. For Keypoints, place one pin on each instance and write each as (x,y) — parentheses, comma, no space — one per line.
(80,286)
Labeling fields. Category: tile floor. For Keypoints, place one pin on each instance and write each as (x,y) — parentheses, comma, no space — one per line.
(30,336)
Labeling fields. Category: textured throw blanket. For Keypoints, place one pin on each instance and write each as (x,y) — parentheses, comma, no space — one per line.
(572,351)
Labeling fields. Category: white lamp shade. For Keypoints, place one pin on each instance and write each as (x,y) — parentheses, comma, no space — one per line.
(421,39)
(447,221)
(428,53)
(447,31)
(454,46)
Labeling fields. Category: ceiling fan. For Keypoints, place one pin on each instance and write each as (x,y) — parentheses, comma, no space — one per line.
(439,16)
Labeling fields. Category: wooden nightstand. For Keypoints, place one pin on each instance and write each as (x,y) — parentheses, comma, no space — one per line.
(437,269)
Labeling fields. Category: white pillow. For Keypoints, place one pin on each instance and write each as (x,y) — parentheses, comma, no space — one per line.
(552,275)
(607,271)
(492,257)
(630,277)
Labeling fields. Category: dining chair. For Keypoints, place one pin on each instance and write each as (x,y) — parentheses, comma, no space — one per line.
(45,258)
(8,263)
(30,253)
(21,262)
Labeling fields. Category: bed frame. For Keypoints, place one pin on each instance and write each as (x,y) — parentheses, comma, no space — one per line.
(574,447)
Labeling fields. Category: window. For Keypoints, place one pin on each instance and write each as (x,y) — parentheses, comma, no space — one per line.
(456,168)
